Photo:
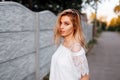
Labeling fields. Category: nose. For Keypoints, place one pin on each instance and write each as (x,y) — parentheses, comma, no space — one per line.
(61,26)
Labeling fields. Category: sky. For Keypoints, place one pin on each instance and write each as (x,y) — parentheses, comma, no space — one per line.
(105,8)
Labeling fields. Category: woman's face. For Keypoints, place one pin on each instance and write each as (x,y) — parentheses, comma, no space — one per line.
(66,26)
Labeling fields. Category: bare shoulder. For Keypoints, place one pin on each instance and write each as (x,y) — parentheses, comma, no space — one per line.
(76,47)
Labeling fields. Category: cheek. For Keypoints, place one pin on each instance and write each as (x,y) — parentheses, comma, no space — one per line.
(69,29)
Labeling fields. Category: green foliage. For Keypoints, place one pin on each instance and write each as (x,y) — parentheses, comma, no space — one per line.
(90,45)
(103,27)
(53,5)
(117,9)
(111,28)
(114,24)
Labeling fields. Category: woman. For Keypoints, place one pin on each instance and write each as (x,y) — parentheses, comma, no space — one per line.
(69,61)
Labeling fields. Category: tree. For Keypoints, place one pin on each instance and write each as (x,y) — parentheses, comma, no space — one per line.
(52,5)
(94,5)
(113,22)
(117,9)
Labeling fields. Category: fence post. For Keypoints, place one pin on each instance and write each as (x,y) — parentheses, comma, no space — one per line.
(37,73)
(3,0)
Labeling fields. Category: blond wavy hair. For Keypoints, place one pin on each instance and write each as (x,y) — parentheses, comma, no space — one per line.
(76,20)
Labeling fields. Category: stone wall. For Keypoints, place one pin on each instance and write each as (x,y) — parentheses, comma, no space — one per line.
(17,41)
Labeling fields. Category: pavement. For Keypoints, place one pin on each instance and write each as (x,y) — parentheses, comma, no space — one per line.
(104,58)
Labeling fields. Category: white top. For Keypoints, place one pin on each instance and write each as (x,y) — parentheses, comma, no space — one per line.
(68,64)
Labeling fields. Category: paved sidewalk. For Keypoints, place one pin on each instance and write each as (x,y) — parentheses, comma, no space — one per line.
(104,58)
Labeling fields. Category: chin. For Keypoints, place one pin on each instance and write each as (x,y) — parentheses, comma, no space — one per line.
(63,35)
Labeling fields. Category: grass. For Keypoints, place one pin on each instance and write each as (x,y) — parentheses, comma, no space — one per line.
(46,77)
(90,45)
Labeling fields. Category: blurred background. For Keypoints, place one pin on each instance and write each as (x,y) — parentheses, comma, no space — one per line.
(105,13)
(26,37)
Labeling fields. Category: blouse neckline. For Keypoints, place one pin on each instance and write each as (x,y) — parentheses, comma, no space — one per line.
(75,53)
(65,47)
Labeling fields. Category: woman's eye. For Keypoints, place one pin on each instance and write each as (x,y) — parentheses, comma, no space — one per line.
(66,23)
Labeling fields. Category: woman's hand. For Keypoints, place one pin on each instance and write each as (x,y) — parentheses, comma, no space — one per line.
(85,77)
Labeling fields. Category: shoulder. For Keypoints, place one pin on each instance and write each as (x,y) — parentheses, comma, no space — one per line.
(76,47)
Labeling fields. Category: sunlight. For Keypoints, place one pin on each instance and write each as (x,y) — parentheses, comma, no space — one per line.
(107,9)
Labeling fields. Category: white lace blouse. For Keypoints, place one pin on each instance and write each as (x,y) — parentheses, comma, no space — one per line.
(69,64)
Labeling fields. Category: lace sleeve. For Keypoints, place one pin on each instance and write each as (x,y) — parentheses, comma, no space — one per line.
(79,59)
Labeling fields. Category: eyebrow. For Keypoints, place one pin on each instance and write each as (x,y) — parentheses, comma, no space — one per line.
(65,21)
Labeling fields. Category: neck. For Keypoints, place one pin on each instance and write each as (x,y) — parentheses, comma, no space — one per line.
(68,40)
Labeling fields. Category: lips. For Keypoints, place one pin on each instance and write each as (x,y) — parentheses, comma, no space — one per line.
(62,31)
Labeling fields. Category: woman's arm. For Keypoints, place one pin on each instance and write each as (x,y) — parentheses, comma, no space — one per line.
(80,61)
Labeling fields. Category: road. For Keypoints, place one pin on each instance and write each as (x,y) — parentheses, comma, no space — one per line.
(104,58)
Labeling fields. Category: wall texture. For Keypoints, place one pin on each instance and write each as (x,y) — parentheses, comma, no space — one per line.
(17,41)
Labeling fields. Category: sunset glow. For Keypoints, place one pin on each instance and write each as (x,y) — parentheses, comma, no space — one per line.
(105,9)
